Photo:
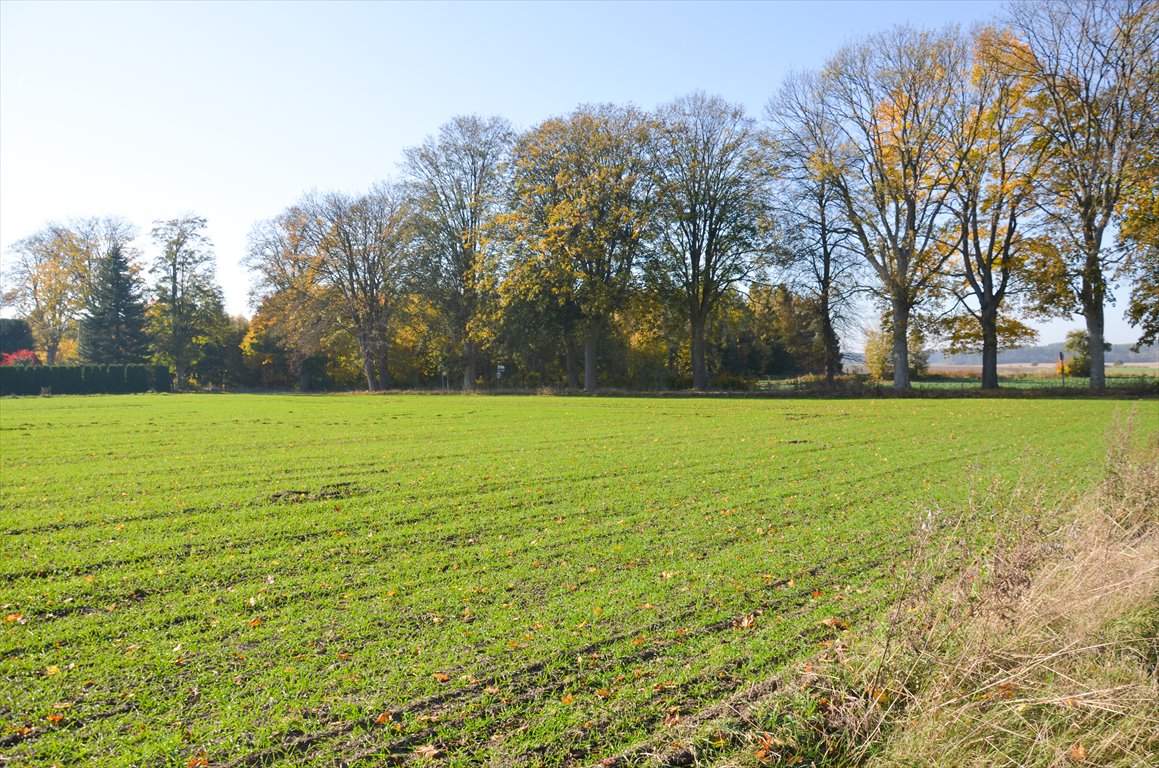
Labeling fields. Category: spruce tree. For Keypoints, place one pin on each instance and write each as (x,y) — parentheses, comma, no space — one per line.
(112,329)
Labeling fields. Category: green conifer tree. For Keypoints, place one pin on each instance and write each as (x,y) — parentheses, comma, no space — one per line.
(112,329)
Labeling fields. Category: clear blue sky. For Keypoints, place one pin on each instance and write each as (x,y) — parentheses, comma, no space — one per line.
(232,110)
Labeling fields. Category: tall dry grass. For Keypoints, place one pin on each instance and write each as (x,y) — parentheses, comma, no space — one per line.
(1041,651)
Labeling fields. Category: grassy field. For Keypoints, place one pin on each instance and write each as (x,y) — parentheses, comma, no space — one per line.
(258,580)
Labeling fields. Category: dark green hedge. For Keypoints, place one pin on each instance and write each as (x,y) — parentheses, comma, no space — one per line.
(82,379)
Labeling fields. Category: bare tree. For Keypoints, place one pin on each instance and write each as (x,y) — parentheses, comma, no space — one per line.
(361,248)
(710,177)
(455,183)
(890,97)
(1093,66)
(817,235)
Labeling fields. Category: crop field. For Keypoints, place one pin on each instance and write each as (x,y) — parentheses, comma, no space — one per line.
(201,580)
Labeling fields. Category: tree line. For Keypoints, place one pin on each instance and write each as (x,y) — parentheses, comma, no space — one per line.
(966,182)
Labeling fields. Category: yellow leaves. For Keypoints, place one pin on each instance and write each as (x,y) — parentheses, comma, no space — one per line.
(53,670)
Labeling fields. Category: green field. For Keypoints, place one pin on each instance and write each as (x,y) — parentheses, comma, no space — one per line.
(258,580)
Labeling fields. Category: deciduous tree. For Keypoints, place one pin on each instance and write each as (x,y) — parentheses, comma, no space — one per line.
(996,159)
(710,178)
(48,285)
(187,304)
(891,97)
(361,246)
(816,249)
(456,184)
(1093,66)
(580,213)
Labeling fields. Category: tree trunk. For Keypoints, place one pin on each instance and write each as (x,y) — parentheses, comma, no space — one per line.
(900,344)
(591,341)
(1095,331)
(699,363)
(470,364)
(830,341)
(572,364)
(989,322)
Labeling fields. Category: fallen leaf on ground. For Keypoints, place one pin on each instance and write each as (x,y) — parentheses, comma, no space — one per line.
(429,751)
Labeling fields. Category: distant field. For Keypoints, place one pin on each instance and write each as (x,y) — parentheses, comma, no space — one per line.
(259,580)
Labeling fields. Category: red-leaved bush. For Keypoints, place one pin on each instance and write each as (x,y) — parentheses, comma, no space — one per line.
(19,357)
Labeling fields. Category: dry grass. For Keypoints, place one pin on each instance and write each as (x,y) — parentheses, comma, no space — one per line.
(1040,652)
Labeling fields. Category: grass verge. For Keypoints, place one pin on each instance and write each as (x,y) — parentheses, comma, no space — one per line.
(1039,651)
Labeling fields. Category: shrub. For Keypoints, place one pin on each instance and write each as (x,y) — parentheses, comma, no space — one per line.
(19,357)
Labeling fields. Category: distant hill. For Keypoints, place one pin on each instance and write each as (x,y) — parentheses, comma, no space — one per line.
(1047,353)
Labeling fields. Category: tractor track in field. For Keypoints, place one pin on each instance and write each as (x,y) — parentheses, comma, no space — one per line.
(436,705)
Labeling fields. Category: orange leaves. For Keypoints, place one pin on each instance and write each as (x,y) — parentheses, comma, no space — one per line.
(200,760)
(603,693)
(384,718)
(567,699)
(834,623)
(1078,752)
(428,751)
(54,719)
(15,617)
(254,622)
(442,677)
(1004,690)
(765,745)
